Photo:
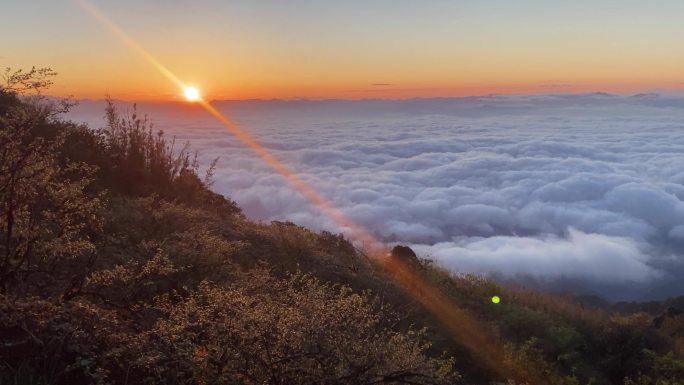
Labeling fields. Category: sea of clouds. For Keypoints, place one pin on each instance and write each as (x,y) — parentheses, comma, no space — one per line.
(579,191)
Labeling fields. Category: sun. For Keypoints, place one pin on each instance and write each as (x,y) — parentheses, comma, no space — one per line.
(191,94)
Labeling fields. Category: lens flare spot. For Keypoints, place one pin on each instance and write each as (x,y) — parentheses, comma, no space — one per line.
(496,299)
(192,94)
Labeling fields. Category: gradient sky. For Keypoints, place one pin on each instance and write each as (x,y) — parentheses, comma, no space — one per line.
(350,49)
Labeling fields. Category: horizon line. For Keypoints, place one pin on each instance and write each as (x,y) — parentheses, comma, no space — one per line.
(659,93)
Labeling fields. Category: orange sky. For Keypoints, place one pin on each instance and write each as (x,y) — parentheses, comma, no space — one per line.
(325,49)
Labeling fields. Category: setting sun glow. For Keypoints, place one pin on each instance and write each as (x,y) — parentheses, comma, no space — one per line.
(191,94)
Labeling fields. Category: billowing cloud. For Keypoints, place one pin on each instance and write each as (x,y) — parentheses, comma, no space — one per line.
(585,186)
(577,255)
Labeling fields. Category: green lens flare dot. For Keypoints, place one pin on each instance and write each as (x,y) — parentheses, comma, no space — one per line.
(496,299)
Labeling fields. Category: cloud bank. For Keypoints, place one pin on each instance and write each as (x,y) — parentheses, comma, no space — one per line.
(580,187)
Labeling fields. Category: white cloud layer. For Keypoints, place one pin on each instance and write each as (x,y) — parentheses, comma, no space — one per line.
(587,187)
(577,254)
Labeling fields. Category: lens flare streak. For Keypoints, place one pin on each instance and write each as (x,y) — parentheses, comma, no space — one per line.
(129,41)
(464,327)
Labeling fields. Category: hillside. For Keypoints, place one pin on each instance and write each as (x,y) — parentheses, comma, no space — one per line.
(120,265)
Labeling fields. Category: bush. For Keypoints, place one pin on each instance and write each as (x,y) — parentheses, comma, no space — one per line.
(264,330)
(48,219)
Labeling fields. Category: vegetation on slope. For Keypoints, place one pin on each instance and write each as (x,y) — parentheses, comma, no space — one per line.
(118,265)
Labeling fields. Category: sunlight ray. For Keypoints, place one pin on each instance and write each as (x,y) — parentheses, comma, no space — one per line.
(465,328)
